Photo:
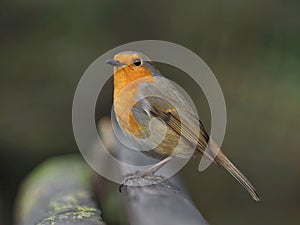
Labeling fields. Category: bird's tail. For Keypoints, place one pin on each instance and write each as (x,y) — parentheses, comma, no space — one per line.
(223,161)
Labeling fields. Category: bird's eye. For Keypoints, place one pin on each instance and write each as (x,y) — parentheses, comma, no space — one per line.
(137,62)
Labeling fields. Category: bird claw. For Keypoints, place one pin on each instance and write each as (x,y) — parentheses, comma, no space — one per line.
(140,179)
(121,186)
(137,175)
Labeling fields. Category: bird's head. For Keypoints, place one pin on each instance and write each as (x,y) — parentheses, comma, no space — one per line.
(130,66)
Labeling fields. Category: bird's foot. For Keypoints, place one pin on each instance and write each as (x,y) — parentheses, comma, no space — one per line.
(143,178)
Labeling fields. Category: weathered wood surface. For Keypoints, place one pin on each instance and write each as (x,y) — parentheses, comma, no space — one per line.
(164,203)
(58,192)
(161,204)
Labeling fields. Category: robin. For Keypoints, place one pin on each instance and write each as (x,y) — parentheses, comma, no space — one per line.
(141,94)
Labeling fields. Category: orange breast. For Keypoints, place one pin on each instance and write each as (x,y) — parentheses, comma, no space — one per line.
(125,97)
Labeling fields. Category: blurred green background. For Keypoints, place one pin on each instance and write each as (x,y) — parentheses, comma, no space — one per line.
(253,47)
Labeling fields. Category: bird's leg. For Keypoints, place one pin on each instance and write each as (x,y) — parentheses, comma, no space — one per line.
(150,171)
(155,167)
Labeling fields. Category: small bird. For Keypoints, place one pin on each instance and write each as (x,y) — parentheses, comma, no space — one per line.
(139,90)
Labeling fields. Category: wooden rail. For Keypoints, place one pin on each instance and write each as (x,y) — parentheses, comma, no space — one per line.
(60,191)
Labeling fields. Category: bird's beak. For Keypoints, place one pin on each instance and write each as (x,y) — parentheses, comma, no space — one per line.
(114,62)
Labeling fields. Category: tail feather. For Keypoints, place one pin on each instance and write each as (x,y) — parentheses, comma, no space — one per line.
(223,161)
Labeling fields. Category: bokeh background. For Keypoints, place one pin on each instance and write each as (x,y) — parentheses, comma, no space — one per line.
(253,47)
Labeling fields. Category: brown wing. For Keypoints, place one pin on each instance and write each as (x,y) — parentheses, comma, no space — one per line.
(187,125)
(168,102)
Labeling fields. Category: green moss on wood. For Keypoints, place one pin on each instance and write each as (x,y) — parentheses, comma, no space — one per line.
(58,190)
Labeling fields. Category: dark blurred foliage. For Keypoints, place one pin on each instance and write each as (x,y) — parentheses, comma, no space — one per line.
(253,47)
